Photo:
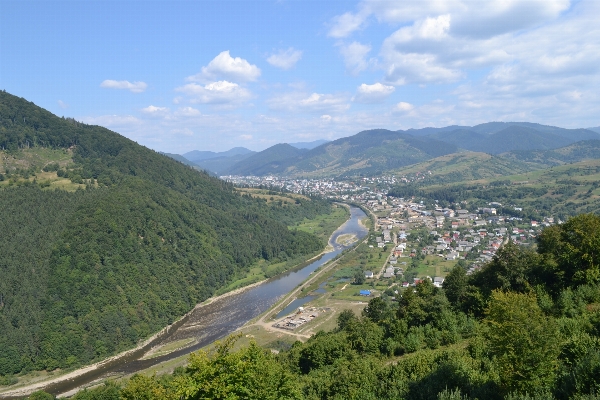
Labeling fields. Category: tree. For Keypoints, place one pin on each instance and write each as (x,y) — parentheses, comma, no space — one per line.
(250,373)
(510,269)
(455,285)
(575,248)
(359,277)
(377,310)
(41,395)
(346,318)
(523,342)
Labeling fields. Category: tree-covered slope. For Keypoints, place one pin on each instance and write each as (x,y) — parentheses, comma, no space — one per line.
(576,152)
(87,273)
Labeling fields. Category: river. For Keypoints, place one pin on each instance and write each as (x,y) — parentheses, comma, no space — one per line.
(219,318)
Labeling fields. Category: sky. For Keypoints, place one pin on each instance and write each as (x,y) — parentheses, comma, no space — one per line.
(178,76)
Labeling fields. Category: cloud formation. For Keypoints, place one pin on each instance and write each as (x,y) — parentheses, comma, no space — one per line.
(355,56)
(375,93)
(315,102)
(220,92)
(226,67)
(285,59)
(135,87)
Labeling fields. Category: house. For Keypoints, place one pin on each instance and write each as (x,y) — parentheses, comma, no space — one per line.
(438,281)
(368,274)
(365,292)
(405,284)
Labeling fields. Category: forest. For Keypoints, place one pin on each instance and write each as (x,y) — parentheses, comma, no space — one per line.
(525,326)
(90,272)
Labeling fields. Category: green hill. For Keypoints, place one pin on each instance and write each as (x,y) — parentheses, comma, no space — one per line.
(580,151)
(132,241)
(465,166)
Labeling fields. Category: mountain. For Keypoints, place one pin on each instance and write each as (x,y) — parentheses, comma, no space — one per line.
(273,160)
(465,166)
(461,138)
(196,155)
(368,152)
(596,129)
(308,145)
(574,135)
(573,153)
(179,158)
(500,137)
(518,138)
(105,242)
(220,165)
(431,131)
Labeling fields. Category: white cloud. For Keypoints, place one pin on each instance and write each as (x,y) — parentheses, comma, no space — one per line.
(473,18)
(112,121)
(355,56)
(62,104)
(135,87)
(224,66)
(343,25)
(246,137)
(188,112)
(404,107)
(153,110)
(315,102)
(326,118)
(285,59)
(220,92)
(375,93)
(438,41)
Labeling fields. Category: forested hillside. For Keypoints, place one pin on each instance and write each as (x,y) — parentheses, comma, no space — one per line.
(526,326)
(89,272)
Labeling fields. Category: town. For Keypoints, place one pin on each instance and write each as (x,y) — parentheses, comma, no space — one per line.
(412,232)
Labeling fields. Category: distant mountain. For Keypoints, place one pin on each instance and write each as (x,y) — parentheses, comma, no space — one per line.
(196,155)
(500,137)
(379,150)
(462,138)
(179,158)
(273,160)
(431,131)
(308,145)
(574,135)
(368,152)
(575,152)
(518,138)
(220,165)
(596,129)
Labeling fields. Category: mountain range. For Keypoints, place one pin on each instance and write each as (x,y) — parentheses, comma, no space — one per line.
(380,150)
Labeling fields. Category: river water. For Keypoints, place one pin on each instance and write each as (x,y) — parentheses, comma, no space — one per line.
(221,317)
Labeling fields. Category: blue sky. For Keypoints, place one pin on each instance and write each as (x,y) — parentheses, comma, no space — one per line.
(211,75)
